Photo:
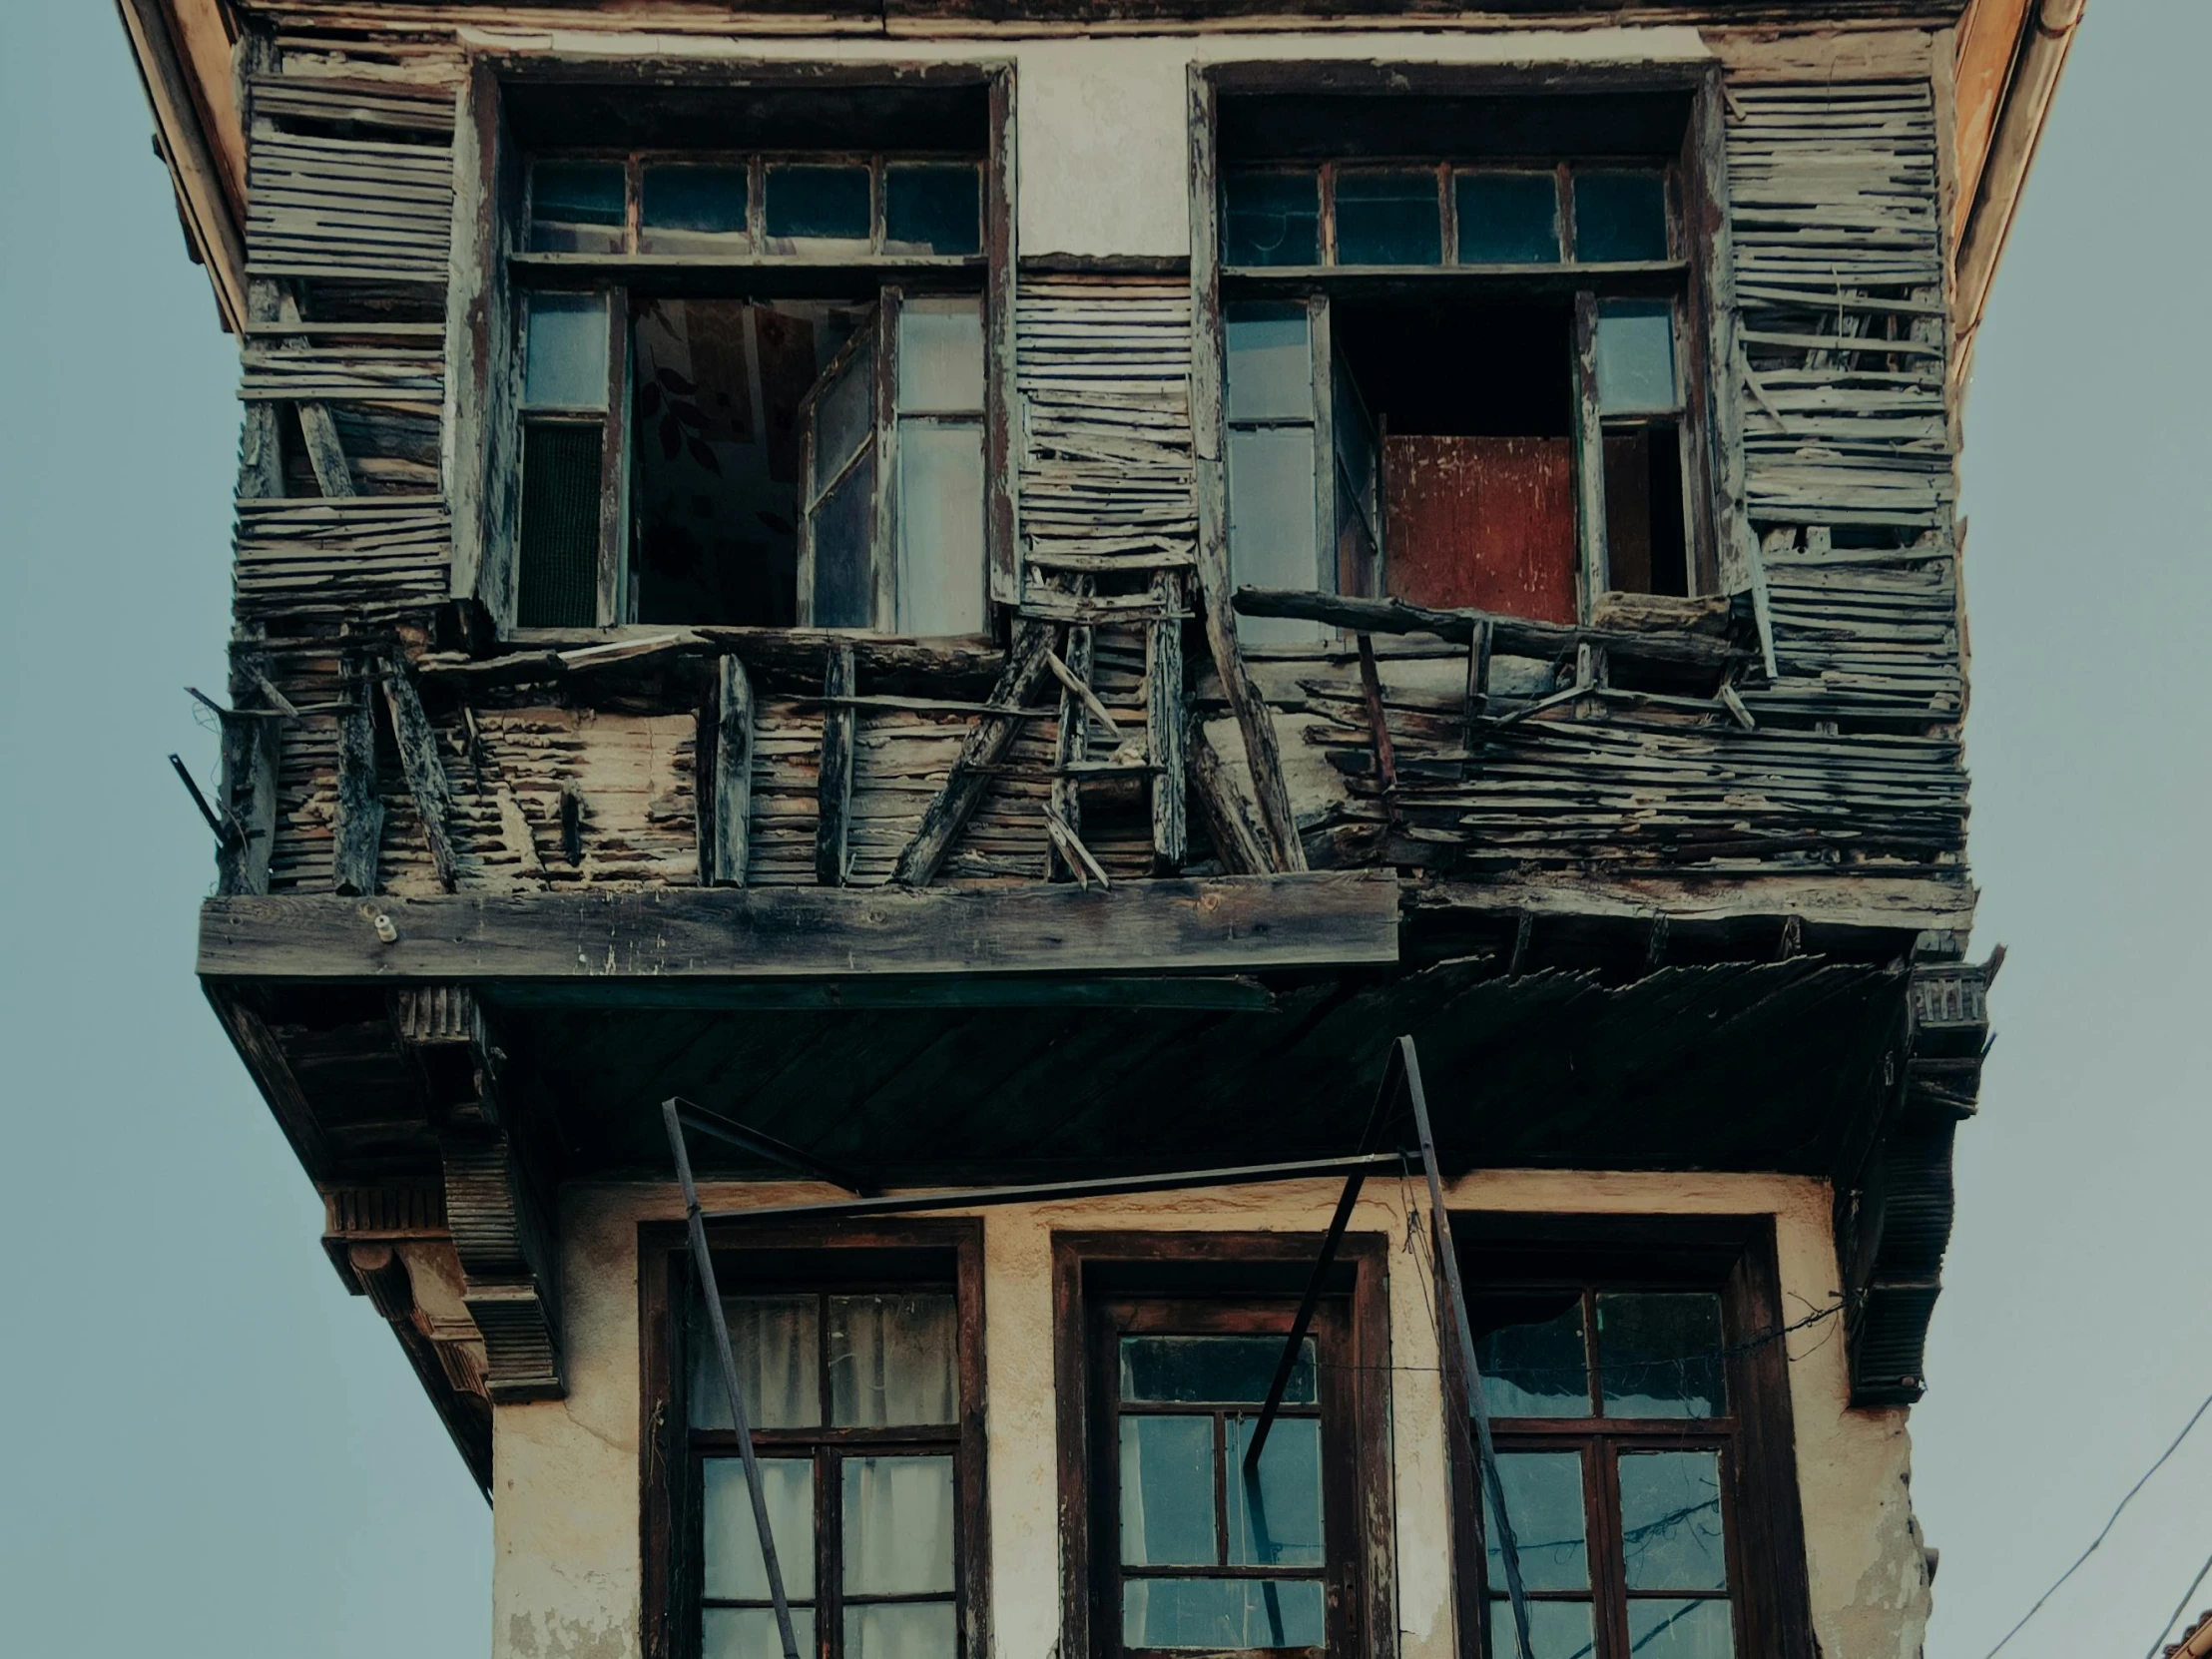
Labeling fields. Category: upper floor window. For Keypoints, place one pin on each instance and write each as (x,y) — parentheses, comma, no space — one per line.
(1461,378)
(752,379)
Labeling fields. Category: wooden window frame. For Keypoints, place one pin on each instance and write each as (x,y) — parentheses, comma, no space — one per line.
(493,270)
(1693,278)
(1090,1268)
(750,1258)
(1731,1255)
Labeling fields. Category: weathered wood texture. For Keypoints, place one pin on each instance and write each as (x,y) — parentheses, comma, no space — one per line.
(1175,927)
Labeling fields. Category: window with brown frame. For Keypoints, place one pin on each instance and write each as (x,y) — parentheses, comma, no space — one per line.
(1641,1428)
(858,1365)
(1460,379)
(1164,1369)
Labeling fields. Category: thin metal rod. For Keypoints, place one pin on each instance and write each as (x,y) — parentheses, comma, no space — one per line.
(985,1198)
(1471,1372)
(1386,1098)
(700,1121)
(704,1261)
(226,832)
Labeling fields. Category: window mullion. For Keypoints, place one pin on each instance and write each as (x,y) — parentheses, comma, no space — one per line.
(829,1550)
(1609,1565)
(885,564)
(1321,361)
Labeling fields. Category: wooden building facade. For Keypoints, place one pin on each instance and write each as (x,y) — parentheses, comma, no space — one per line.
(1008,597)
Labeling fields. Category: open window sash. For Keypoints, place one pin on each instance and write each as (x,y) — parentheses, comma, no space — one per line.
(841,473)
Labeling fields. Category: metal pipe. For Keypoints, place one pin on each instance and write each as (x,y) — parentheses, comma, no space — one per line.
(704,1122)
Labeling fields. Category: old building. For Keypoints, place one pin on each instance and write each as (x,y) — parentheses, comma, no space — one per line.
(999,600)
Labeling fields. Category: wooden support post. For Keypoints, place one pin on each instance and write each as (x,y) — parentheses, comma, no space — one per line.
(1478,681)
(1378,729)
(1029,666)
(251,739)
(1589,472)
(419,762)
(1236,838)
(1073,744)
(1167,718)
(727,845)
(834,793)
(261,450)
(358,830)
(319,429)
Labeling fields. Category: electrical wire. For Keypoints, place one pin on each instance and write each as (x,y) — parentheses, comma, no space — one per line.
(2194,1418)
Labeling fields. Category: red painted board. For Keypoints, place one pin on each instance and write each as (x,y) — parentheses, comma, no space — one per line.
(1487,522)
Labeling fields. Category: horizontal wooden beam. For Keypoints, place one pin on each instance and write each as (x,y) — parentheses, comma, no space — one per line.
(1238,923)
(1917,902)
(1509,635)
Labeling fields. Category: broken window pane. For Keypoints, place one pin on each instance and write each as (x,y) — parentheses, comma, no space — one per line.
(811,202)
(845,416)
(933,208)
(1271,521)
(1659,1354)
(776,1340)
(940,356)
(1167,1491)
(558,575)
(1271,218)
(1283,1528)
(901,1630)
(1531,1354)
(1635,357)
(694,208)
(565,355)
(1223,1370)
(733,1568)
(1679,1630)
(1223,1613)
(1671,1520)
(897,1525)
(845,539)
(1620,216)
(1507,218)
(576,207)
(892,1360)
(1388,218)
(1543,1496)
(1270,362)
(1646,537)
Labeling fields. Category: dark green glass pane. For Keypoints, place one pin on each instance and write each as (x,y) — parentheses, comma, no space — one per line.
(1659,1354)
(559,574)
(1620,216)
(1533,1357)
(1215,1369)
(1543,1496)
(1507,218)
(844,529)
(825,201)
(576,207)
(1275,1513)
(1388,218)
(1679,1630)
(688,207)
(1671,1520)
(1222,1614)
(933,207)
(1167,1492)
(1271,218)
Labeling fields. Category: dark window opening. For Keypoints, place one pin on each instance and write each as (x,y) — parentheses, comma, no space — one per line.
(560,525)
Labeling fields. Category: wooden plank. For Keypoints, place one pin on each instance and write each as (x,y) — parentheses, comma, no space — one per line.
(1236,838)
(319,431)
(357,831)
(261,451)
(1232,923)
(1167,716)
(833,819)
(1064,818)
(730,842)
(1029,666)
(1510,636)
(425,770)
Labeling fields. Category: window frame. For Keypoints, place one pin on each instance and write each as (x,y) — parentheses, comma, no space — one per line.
(749,1259)
(1692,278)
(494,271)
(1733,1256)
(1092,1271)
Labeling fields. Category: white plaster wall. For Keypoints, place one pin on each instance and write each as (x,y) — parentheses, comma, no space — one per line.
(566,1579)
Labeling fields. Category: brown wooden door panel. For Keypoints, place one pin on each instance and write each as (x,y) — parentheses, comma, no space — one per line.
(1481,521)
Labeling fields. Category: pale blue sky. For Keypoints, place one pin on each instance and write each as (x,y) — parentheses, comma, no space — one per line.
(214,1451)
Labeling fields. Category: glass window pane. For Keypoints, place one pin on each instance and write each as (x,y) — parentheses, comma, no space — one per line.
(892,1360)
(1660,1354)
(1620,216)
(845,541)
(1270,362)
(1271,218)
(940,533)
(731,1545)
(1275,1520)
(1507,218)
(933,208)
(1671,1520)
(1532,1353)
(576,207)
(1226,1369)
(827,203)
(1635,357)
(902,1630)
(1222,1613)
(1679,1630)
(940,356)
(750,1633)
(845,414)
(897,1525)
(693,209)
(1556,1629)
(1167,1491)
(776,1340)
(1388,218)
(1543,1496)
(1270,522)
(565,356)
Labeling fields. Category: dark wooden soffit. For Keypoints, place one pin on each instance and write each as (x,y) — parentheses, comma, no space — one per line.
(1236,923)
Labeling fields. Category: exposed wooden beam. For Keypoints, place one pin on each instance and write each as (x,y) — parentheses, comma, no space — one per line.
(1235,923)
(192,154)
(1509,635)
(1167,722)
(728,843)
(1029,666)
(833,783)
(272,1072)
(419,760)
(1886,903)
(358,830)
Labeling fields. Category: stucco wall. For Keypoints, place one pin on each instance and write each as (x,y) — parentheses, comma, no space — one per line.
(566,1578)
